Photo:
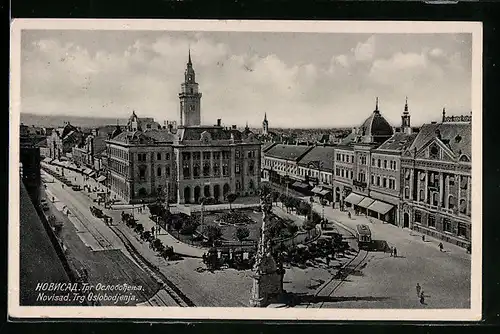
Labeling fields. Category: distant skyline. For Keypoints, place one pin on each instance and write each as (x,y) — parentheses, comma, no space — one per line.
(301,80)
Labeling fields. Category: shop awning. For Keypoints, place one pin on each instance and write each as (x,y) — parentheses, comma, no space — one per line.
(354,198)
(72,166)
(300,185)
(366,202)
(101,178)
(92,173)
(380,207)
(316,190)
(324,192)
(87,171)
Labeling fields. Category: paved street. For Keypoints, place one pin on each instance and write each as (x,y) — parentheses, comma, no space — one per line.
(388,282)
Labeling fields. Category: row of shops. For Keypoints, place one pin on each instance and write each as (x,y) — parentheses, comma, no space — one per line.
(371,207)
(88,172)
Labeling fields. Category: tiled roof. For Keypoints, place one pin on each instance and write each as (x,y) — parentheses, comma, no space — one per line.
(323,154)
(398,142)
(161,136)
(456,136)
(289,152)
(194,133)
(267,146)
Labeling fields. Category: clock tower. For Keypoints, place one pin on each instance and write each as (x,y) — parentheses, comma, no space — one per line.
(189,97)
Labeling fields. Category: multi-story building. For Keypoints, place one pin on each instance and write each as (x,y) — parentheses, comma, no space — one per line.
(436,185)
(62,140)
(367,167)
(87,152)
(196,161)
(353,161)
(281,165)
(316,168)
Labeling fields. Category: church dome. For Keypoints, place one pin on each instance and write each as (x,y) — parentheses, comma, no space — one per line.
(376,126)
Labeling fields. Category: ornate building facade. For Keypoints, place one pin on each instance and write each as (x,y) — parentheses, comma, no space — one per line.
(436,185)
(193,162)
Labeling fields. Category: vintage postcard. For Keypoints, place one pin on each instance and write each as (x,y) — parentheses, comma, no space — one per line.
(270,170)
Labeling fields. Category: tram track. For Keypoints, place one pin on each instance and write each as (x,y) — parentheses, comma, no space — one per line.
(172,290)
(345,271)
(166,285)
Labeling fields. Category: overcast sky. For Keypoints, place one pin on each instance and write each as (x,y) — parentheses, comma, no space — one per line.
(299,79)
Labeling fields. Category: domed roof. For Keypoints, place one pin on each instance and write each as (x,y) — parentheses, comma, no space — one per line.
(376,125)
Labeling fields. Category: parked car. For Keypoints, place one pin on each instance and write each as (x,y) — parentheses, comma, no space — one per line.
(44,205)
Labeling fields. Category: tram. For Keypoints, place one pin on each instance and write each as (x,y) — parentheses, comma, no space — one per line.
(364,236)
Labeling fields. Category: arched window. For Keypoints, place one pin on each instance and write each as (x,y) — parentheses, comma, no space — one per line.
(407,192)
(158,171)
(463,206)
(421,196)
(451,202)
(250,185)
(435,199)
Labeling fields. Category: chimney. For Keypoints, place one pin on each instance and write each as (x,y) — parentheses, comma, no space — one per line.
(218,121)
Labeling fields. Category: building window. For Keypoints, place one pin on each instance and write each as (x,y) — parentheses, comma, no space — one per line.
(238,185)
(226,155)
(385,164)
(378,181)
(158,156)
(158,171)
(237,168)
(206,169)
(407,192)
(431,221)
(216,155)
(373,161)
(186,156)
(167,156)
(451,202)
(206,155)
(167,171)
(435,199)
(418,217)
(452,181)
(446,225)
(251,167)
(462,230)
(463,206)
(216,169)
(373,179)
(196,170)
(463,182)
(196,155)
(250,185)
(142,172)
(378,163)
(421,196)
(384,183)
(225,170)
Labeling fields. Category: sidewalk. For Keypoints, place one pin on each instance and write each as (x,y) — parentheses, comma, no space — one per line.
(180,248)
(396,236)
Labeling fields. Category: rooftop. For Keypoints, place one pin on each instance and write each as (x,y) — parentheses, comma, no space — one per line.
(398,142)
(322,154)
(288,152)
(456,136)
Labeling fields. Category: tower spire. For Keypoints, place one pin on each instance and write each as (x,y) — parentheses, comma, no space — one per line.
(376,104)
(444,114)
(189,56)
(406,105)
(265,116)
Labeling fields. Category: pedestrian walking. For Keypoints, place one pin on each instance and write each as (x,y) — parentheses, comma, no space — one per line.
(423,238)
(419,288)
(349,214)
(327,261)
(422,297)
(395,252)
(441,246)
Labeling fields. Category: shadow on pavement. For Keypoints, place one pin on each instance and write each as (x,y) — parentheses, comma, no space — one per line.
(379,246)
